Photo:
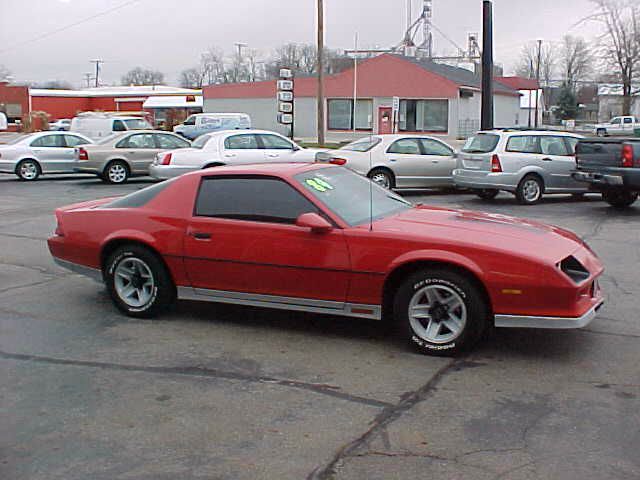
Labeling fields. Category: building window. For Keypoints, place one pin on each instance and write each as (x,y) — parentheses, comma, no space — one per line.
(424,116)
(340,114)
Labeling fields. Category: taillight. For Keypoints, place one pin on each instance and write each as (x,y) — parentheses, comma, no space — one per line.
(166,160)
(83,154)
(338,161)
(627,155)
(495,164)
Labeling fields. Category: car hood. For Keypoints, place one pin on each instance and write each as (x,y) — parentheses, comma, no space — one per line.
(498,232)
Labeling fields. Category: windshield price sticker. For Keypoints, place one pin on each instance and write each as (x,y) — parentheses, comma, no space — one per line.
(318,184)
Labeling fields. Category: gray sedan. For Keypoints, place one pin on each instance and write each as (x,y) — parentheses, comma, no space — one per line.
(29,156)
(123,155)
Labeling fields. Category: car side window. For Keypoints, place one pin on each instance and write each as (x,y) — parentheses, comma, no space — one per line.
(553,146)
(190,121)
(49,141)
(406,146)
(119,126)
(73,141)
(616,121)
(628,120)
(523,144)
(256,199)
(433,147)
(241,142)
(273,142)
(573,143)
(170,142)
(140,140)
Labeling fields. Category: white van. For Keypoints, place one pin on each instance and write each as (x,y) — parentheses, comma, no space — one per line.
(201,123)
(3,121)
(96,126)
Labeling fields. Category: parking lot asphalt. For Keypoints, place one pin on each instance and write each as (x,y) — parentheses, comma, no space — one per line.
(227,392)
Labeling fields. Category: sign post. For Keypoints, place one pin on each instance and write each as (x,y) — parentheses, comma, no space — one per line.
(394,114)
(285,98)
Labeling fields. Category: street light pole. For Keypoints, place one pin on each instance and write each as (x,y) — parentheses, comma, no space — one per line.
(537,80)
(486,121)
(320,62)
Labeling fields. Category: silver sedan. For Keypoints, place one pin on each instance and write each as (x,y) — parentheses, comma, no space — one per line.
(29,156)
(120,156)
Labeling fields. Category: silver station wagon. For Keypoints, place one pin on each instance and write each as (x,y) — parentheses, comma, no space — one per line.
(528,163)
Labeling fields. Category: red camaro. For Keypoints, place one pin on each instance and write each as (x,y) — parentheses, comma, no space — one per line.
(321,238)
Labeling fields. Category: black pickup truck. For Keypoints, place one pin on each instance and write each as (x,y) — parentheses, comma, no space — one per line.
(610,166)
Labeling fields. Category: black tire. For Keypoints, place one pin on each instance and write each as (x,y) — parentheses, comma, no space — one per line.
(162,292)
(116,172)
(619,198)
(28,170)
(525,193)
(487,193)
(383,177)
(601,132)
(475,305)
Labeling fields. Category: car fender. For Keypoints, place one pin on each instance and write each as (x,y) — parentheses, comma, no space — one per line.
(533,169)
(132,235)
(114,158)
(434,255)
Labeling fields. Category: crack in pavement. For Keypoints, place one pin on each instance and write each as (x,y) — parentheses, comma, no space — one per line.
(329,390)
(26,237)
(387,416)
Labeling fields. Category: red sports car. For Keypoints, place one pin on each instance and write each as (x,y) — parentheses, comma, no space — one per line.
(321,238)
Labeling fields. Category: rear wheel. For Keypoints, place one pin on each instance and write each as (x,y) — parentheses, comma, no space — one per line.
(382,177)
(529,191)
(116,172)
(28,170)
(619,198)
(487,193)
(138,281)
(601,132)
(440,311)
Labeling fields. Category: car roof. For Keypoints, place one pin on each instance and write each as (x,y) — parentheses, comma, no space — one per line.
(285,170)
(241,131)
(226,114)
(525,131)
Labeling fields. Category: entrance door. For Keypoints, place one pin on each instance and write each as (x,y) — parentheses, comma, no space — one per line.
(385,122)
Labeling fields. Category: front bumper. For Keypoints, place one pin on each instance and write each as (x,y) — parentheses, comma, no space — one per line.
(164,172)
(8,166)
(520,321)
(480,179)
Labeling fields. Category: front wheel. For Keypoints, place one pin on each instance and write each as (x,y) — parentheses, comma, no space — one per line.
(28,170)
(601,132)
(619,198)
(382,177)
(487,193)
(138,282)
(116,172)
(440,311)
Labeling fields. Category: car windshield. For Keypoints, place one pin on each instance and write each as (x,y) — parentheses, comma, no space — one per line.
(362,145)
(137,124)
(17,139)
(481,143)
(351,196)
(108,138)
(201,141)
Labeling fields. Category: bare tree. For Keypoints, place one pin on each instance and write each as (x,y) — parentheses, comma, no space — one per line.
(575,60)
(53,85)
(528,61)
(191,78)
(141,76)
(212,66)
(619,46)
(5,73)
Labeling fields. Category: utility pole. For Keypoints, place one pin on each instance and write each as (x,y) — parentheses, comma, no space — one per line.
(486,121)
(87,79)
(538,80)
(320,62)
(238,62)
(97,62)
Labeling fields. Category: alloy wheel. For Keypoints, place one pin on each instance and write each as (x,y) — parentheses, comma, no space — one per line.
(381,179)
(117,173)
(437,314)
(28,170)
(531,190)
(134,282)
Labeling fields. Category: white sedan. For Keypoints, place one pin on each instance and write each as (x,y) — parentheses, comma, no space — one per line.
(29,156)
(398,161)
(230,147)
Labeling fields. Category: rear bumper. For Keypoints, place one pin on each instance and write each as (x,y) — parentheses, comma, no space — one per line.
(483,179)
(164,172)
(92,273)
(521,321)
(602,179)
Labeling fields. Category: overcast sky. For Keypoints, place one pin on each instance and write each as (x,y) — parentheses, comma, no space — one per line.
(169,35)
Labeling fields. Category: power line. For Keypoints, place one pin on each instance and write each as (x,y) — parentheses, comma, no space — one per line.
(71,25)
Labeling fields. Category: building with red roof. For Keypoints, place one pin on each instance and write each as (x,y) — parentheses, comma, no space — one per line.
(435,98)
(530,92)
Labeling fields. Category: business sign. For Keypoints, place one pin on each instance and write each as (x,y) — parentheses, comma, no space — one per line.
(285,118)
(285,96)
(285,84)
(396,104)
(286,73)
(285,107)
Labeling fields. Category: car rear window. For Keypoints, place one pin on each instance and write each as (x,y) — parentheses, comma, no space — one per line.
(363,144)
(139,198)
(481,143)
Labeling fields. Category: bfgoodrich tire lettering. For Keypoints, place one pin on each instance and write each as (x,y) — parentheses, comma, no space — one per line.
(138,281)
(440,311)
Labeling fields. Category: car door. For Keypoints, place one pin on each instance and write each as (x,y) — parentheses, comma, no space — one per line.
(439,163)
(242,237)
(558,162)
(71,142)
(139,149)
(521,153)
(51,152)
(615,127)
(404,157)
(276,148)
(242,148)
(627,125)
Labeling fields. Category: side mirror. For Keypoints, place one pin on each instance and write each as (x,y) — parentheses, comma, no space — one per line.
(315,222)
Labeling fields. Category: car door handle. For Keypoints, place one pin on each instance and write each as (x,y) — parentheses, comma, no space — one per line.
(229,154)
(200,235)
(435,161)
(547,159)
(272,155)
(393,159)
